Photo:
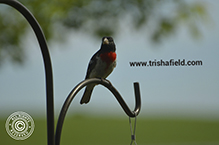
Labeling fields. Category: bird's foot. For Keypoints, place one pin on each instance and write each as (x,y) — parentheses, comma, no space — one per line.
(109,82)
(102,79)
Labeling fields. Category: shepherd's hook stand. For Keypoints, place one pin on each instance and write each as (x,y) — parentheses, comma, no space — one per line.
(108,85)
(54,139)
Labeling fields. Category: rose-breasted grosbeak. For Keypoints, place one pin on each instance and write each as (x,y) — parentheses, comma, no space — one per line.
(101,65)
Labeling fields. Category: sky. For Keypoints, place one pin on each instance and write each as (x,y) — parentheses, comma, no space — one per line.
(180,91)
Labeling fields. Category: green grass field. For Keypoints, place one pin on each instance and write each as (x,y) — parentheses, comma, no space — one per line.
(111,131)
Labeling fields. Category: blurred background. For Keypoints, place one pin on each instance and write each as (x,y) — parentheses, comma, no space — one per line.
(180,104)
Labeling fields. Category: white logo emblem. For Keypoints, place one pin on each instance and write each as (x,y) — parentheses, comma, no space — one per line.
(19,125)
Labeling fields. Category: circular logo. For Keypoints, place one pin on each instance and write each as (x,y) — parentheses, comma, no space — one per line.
(19,125)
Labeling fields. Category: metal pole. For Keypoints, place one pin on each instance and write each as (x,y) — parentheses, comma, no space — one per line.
(47,65)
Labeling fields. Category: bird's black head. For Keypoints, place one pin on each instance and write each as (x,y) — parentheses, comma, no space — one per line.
(108,44)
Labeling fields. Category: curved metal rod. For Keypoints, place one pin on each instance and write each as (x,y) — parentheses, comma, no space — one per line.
(108,85)
(47,64)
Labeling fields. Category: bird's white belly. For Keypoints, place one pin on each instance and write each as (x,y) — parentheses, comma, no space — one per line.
(101,70)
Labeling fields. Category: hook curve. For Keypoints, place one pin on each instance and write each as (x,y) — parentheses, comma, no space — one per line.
(113,90)
(47,64)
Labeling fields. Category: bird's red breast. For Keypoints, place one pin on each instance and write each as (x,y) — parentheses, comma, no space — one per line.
(108,57)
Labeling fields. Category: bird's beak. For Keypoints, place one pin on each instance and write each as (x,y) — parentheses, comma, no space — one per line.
(105,41)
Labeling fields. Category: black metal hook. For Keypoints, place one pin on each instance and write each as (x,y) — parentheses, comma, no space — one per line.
(108,85)
(47,64)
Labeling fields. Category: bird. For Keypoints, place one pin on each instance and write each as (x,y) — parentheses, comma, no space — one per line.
(100,66)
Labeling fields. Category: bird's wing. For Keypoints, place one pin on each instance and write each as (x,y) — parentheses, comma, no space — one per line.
(91,65)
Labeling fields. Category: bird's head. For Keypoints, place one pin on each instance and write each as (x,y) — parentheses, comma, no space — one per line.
(108,44)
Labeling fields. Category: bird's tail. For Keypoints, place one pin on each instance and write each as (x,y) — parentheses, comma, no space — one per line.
(87,94)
